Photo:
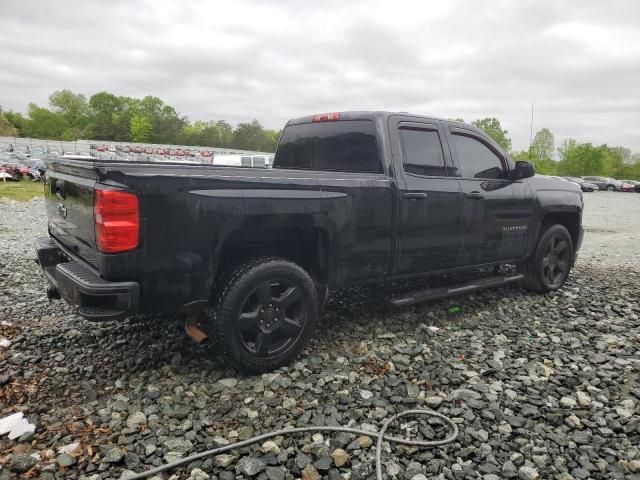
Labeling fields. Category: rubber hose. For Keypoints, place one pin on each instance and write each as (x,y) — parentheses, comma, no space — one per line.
(288,431)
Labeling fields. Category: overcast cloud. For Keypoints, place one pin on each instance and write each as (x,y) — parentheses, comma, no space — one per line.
(238,60)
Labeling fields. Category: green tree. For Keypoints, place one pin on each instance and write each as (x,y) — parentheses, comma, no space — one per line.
(493,128)
(226,133)
(543,145)
(17,120)
(7,129)
(617,161)
(74,109)
(110,117)
(141,129)
(44,123)
(249,136)
(581,159)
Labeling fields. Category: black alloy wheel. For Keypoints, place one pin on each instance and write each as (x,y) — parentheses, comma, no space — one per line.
(263,313)
(272,318)
(549,266)
(556,262)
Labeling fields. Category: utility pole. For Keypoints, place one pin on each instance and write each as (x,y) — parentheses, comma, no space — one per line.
(531,132)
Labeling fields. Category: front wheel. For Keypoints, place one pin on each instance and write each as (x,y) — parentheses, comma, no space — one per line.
(264,313)
(550,264)
(611,188)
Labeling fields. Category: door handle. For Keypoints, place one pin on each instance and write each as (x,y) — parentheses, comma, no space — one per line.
(474,195)
(415,195)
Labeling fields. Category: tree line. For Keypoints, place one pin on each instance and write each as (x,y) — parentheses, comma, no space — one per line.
(574,159)
(107,117)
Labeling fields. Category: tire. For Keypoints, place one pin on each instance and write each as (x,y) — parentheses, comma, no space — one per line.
(611,188)
(263,313)
(550,264)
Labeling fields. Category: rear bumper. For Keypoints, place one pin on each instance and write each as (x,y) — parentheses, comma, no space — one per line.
(80,285)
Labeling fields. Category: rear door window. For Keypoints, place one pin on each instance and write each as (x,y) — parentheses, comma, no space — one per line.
(345,145)
(423,153)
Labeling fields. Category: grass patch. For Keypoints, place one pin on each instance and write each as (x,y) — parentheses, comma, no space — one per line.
(21,191)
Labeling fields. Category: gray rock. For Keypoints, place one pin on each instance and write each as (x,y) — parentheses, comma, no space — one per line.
(178,445)
(136,419)
(224,460)
(480,435)
(228,382)
(323,464)
(528,473)
(150,449)
(249,466)
(276,473)
(464,394)
(310,473)
(433,402)
(65,460)
(22,463)
(366,394)
(197,474)
(114,455)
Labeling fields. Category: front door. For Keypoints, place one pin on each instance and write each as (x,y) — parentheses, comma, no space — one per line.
(429,205)
(496,210)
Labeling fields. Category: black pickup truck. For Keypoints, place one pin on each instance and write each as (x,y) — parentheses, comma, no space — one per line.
(248,255)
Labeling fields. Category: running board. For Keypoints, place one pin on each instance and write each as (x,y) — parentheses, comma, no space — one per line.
(442,292)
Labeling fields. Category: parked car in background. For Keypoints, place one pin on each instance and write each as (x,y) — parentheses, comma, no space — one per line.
(605,183)
(635,184)
(627,186)
(38,151)
(35,164)
(585,186)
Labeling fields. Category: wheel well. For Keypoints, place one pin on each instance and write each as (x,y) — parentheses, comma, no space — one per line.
(571,222)
(306,247)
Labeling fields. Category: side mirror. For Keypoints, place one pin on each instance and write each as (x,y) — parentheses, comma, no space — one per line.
(522,170)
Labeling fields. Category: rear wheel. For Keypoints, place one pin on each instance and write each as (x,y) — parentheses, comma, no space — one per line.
(611,188)
(549,266)
(264,313)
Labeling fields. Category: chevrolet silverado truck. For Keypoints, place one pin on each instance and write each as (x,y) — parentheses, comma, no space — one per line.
(247,256)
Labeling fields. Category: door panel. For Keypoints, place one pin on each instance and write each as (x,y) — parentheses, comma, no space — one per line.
(496,210)
(429,227)
(497,215)
(429,204)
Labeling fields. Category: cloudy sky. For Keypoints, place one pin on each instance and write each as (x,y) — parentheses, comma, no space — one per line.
(579,61)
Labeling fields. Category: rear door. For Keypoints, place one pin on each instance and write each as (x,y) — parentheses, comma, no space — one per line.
(497,212)
(430,205)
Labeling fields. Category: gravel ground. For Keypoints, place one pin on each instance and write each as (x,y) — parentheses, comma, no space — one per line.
(542,386)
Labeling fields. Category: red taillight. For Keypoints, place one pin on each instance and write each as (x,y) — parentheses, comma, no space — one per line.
(326,117)
(117,220)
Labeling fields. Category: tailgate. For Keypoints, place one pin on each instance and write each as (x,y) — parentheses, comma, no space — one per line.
(69,204)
